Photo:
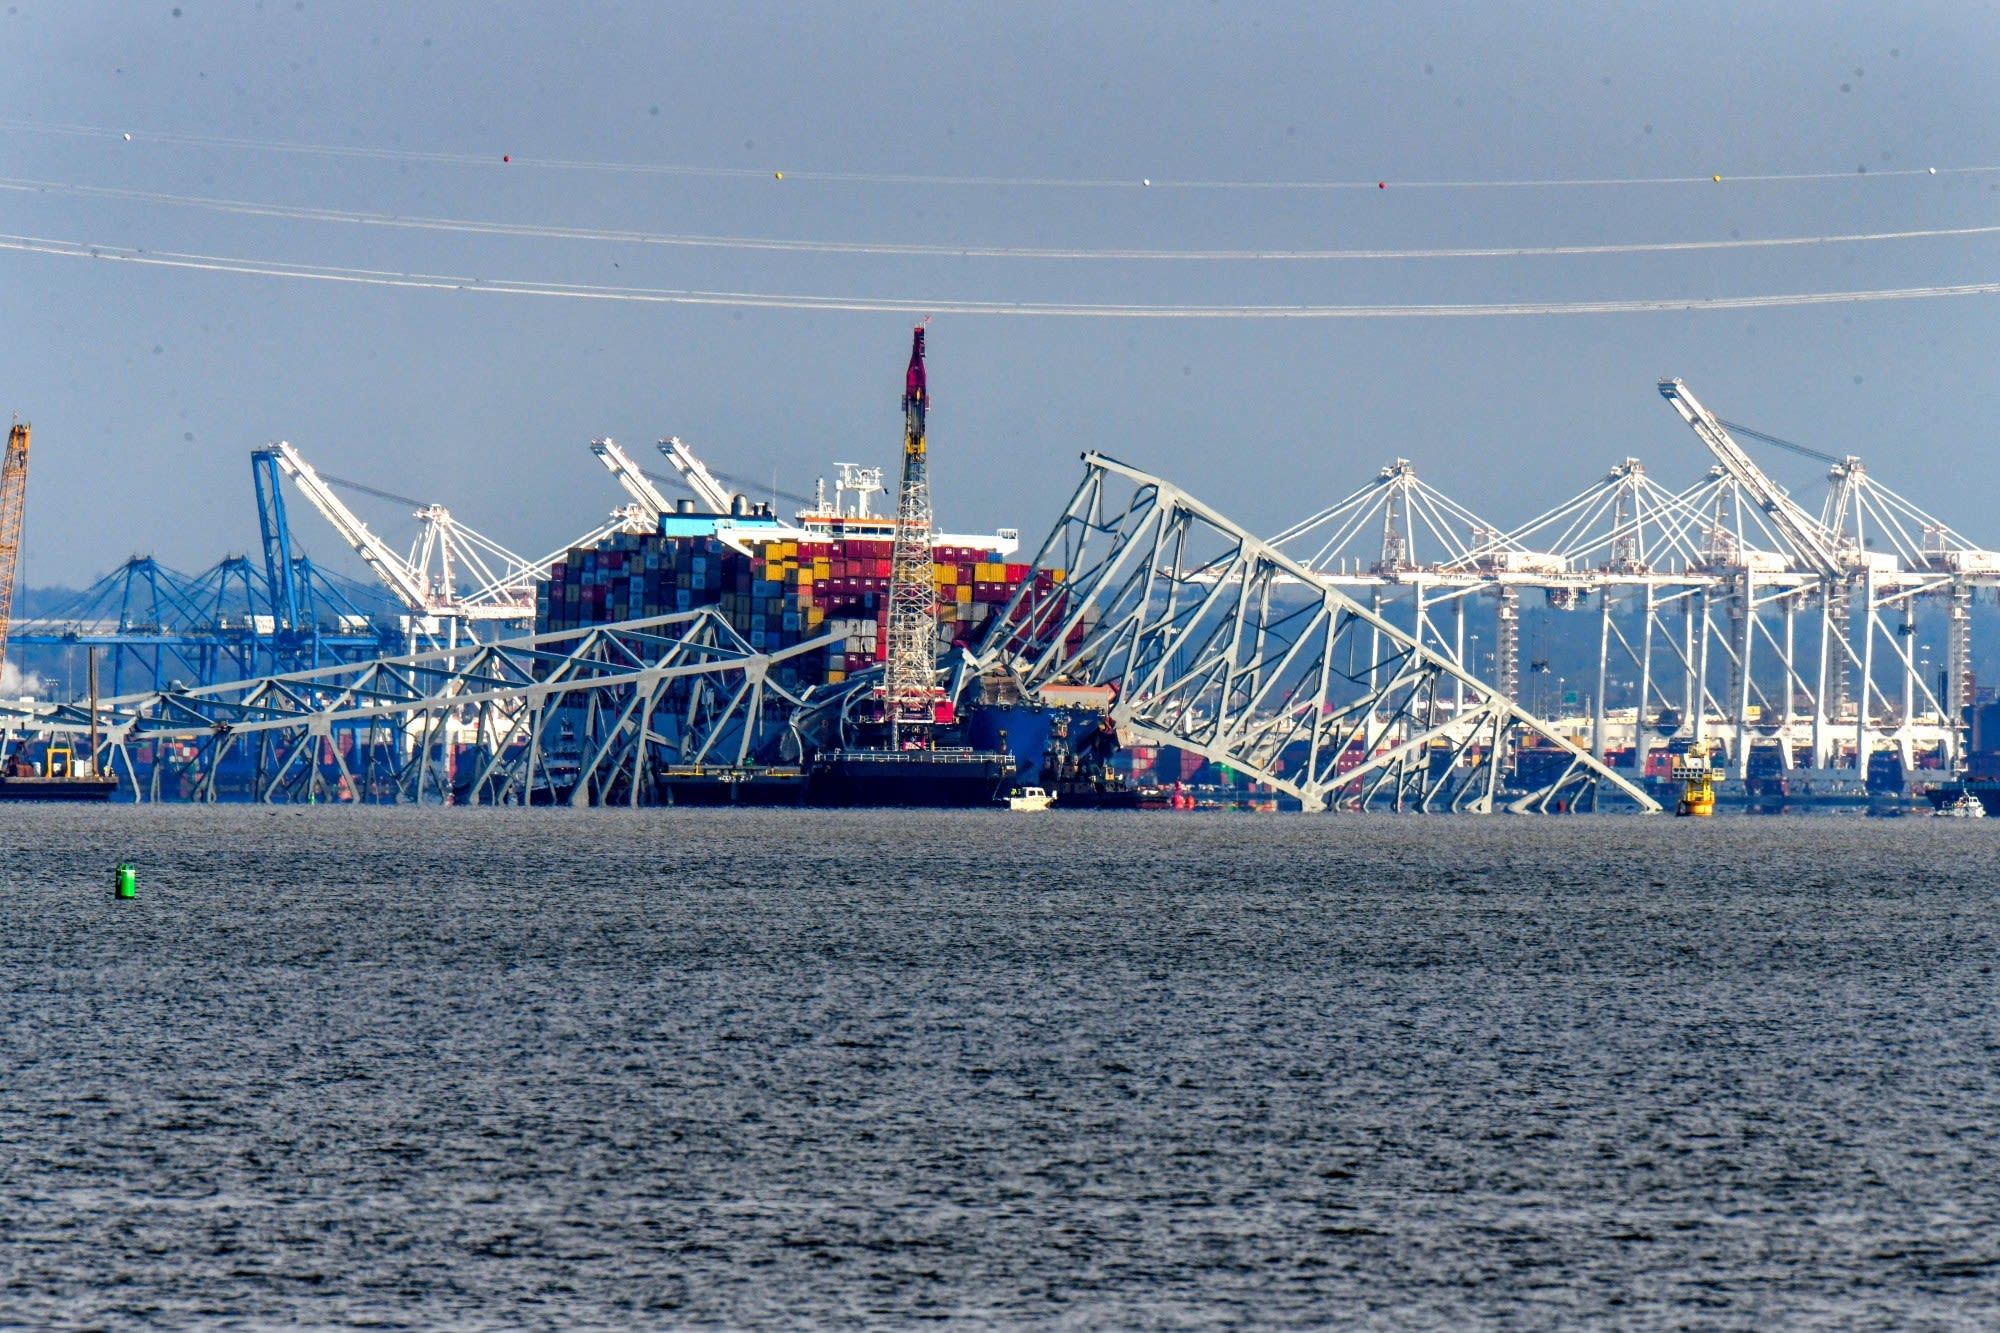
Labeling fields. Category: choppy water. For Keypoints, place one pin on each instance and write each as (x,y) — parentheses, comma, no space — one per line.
(512,1068)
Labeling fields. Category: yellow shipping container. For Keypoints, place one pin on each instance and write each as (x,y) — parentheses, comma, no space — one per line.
(987,573)
(965,592)
(835,676)
(946,574)
(822,567)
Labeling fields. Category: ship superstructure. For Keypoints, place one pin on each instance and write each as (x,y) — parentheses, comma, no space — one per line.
(834,518)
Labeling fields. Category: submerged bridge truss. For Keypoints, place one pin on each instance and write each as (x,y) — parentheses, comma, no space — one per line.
(1220,644)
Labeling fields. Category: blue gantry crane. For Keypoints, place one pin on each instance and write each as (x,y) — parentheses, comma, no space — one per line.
(155,626)
(276,531)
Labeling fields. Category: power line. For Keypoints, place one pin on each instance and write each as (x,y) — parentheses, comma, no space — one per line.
(913,306)
(540,231)
(1136,181)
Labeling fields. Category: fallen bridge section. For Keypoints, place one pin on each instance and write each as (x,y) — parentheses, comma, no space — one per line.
(583,717)
(1219,644)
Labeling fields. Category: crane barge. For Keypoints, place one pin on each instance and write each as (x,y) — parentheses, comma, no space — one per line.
(910,750)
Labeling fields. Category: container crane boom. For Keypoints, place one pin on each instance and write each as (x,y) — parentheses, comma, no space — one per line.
(1810,542)
(636,483)
(280,576)
(511,593)
(699,479)
(391,568)
(13,507)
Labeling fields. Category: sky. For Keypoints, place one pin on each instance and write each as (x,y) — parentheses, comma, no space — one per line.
(1308,157)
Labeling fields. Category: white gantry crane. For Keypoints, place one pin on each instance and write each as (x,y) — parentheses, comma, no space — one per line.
(392,569)
(699,479)
(453,574)
(648,497)
(1865,563)
(1810,542)
(1797,642)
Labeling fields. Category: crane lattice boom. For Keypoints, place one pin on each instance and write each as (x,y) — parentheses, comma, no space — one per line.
(13,506)
(909,669)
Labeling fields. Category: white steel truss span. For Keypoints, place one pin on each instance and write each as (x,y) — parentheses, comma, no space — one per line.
(1216,642)
(584,717)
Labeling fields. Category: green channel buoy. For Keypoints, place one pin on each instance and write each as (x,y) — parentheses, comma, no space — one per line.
(125,881)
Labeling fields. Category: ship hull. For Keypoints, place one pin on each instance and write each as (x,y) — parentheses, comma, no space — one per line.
(57,789)
(914,779)
(1104,795)
(772,789)
(1059,748)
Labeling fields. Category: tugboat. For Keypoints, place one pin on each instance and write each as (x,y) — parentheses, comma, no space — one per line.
(1697,779)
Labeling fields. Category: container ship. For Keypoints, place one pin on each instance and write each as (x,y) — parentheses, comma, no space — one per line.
(894,590)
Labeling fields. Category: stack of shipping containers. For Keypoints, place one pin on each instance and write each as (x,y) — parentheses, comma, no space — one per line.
(786,590)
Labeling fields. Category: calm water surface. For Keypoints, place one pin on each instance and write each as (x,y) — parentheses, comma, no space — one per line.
(549,1068)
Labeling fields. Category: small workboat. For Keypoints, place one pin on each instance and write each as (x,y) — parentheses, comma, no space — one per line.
(1963,806)
(1029,798)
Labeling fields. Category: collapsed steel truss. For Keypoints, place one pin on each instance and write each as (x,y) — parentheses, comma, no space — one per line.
(584,717)
(1218,643)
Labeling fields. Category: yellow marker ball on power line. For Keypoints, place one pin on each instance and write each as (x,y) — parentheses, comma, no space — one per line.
(1716,179)
(777,175)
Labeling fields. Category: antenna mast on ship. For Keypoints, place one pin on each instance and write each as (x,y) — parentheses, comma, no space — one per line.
(909,670)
